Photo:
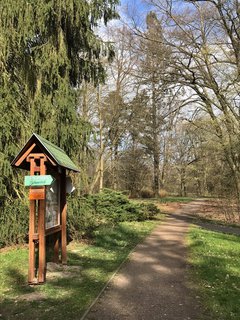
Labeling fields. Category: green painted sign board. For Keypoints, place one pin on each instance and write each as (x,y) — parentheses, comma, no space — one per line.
(35,181)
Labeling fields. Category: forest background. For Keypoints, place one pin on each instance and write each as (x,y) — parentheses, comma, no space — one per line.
(149,106)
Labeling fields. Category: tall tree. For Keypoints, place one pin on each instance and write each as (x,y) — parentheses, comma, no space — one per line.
(113,111)
(160,99)
(205,41)
(47,49)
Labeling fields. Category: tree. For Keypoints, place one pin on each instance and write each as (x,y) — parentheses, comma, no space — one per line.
(47,50)
(158,98)
(135,170)
(113,113)
(204,39)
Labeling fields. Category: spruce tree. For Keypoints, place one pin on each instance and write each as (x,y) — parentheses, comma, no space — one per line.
(47,48)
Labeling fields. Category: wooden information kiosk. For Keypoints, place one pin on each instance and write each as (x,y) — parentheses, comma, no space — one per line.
(47,164)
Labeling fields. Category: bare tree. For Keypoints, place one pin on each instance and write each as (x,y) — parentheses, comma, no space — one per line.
(158,97)
(204,38)
(110,113)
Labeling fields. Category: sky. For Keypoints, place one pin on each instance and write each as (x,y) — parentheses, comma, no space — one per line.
(128,10)
(141,5)
(134,8)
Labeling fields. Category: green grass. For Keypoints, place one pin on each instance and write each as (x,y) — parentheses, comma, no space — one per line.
(166,199)
(175,199)
(67,297)
(215,258)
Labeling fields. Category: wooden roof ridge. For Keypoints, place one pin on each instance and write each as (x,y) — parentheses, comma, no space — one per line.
(54,152)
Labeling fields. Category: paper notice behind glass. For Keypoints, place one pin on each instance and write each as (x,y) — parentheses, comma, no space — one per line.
(52,205)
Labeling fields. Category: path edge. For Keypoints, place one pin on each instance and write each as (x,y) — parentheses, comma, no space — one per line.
(114,274)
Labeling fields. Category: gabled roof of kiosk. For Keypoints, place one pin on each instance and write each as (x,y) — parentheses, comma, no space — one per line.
(55,153)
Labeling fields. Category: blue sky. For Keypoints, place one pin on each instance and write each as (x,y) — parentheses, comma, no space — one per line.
(128,10)
(134,6)
(140,4)
(136,9)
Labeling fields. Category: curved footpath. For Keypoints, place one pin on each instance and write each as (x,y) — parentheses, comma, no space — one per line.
(153,283)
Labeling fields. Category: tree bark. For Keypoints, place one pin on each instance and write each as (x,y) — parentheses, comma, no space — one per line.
(101,160)
(156,146)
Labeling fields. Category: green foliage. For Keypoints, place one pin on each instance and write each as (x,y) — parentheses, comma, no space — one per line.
(82,219)
(150,210)
(114,206)
(47,48)
(86,214)
(215,258)
(13,223)
(48,41)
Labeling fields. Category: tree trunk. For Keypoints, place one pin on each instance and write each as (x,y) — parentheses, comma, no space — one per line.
(183,188)
(236,175)
(101,160)
(199,188)
(156,156)
(114,168)
(156,174)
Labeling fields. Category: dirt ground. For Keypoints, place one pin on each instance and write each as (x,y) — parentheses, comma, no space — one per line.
(153,283)
(216,210)
(203,214)
(219,210)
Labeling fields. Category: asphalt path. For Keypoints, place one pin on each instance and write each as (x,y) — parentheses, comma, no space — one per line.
(154,282)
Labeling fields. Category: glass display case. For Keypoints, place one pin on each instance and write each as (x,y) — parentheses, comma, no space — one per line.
(52,217)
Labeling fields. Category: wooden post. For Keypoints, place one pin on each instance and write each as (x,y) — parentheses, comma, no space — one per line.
(41,229)
(32,217)
(63,216)
(39,195)
(56,248)
(42,244)
(32,221)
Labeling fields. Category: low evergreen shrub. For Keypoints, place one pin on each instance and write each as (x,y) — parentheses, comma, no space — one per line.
(86,214)
(146,193)
(82,219)
(14,217)
(150,210)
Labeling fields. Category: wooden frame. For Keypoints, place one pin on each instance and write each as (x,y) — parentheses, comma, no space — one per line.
(41,157)
(39,203)
(57,180)
(37,234)
(63,209)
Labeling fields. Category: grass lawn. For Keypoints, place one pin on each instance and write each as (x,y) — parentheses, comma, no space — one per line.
(175,199)
(164,200)
(67,294)
(215,258)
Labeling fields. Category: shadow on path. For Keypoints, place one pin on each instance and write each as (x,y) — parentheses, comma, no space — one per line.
(153,284)
(188,214)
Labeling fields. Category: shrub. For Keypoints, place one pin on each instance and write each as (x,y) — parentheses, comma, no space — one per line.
(146,193)
(114,206)
(86,214)
(82,219)
(14,217)
(151,210)
(163,193)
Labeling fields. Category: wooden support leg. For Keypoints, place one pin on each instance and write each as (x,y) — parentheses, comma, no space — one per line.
(56,248)
(63,218)
(42,244)
(64,235)
(41,219)
(31,266)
